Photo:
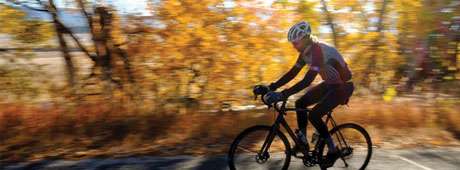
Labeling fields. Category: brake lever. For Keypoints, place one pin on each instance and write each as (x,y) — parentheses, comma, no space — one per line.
(268,105)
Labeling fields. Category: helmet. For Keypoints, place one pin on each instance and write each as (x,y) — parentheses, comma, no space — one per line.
(298,31)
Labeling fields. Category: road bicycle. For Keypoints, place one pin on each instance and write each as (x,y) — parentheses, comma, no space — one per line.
(267,147)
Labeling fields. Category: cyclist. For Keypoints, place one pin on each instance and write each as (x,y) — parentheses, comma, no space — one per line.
(335,88)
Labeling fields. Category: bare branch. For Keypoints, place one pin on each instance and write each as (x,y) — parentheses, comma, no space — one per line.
(87,15)
(330,22)
(127,65)
(81,4)
(77,41)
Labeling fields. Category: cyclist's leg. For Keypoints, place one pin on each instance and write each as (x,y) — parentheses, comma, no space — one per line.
(312,96)
(330,101)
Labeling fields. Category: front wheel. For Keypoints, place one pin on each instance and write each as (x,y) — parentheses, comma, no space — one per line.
(354,144)
(258,148)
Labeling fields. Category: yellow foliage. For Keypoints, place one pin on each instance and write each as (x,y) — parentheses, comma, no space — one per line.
(15,23)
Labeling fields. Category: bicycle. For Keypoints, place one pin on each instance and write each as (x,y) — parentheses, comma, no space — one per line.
(272,139)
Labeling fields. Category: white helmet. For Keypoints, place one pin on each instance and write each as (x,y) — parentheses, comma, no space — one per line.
(298,31)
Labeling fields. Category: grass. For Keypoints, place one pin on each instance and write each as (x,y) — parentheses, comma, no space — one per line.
(33,133)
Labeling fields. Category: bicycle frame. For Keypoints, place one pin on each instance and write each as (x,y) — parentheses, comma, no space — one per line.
(340,138)
(276,127)
(280,120)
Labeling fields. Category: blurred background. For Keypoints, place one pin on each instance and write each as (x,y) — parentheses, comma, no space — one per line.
(85,78)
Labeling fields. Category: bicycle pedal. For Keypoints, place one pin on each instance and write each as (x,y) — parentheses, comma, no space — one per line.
(300,155)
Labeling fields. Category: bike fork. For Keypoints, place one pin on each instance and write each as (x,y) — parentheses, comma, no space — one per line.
(268,140)
(273,132)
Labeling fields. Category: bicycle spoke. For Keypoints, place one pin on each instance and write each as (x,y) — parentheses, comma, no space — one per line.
(246,150)
(354,144)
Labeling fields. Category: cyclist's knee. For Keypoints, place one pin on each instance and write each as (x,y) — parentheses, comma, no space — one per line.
(314,116)
(299,103)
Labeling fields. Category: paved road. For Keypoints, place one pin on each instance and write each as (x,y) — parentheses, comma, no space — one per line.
(413,159)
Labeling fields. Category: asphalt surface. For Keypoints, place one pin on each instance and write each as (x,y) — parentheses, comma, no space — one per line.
(382,159)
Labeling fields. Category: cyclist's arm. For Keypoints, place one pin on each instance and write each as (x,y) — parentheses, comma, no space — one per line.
(306,81)
(316,62)
(289,75)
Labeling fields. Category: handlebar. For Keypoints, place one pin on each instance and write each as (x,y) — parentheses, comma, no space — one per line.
(281,108)
(276,104)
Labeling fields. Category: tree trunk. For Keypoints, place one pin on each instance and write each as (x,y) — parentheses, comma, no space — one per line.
(330,22)
(375,45)
(64,47)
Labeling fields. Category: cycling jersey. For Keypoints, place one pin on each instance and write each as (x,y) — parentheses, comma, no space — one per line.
(327,61)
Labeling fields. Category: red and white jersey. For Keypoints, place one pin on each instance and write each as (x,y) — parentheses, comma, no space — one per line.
(327,61)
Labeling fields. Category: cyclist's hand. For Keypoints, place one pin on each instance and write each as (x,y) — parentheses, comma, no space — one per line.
(272,97)
(260,90)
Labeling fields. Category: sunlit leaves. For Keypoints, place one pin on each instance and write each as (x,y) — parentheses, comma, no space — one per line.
(15,23)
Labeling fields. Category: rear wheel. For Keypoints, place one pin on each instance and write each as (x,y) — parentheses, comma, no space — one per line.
(354,144)
(245,151)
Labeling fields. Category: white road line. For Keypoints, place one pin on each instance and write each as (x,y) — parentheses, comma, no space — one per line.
(412,162)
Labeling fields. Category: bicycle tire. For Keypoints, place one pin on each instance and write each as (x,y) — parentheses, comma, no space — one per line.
(251,130)
(341,128)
